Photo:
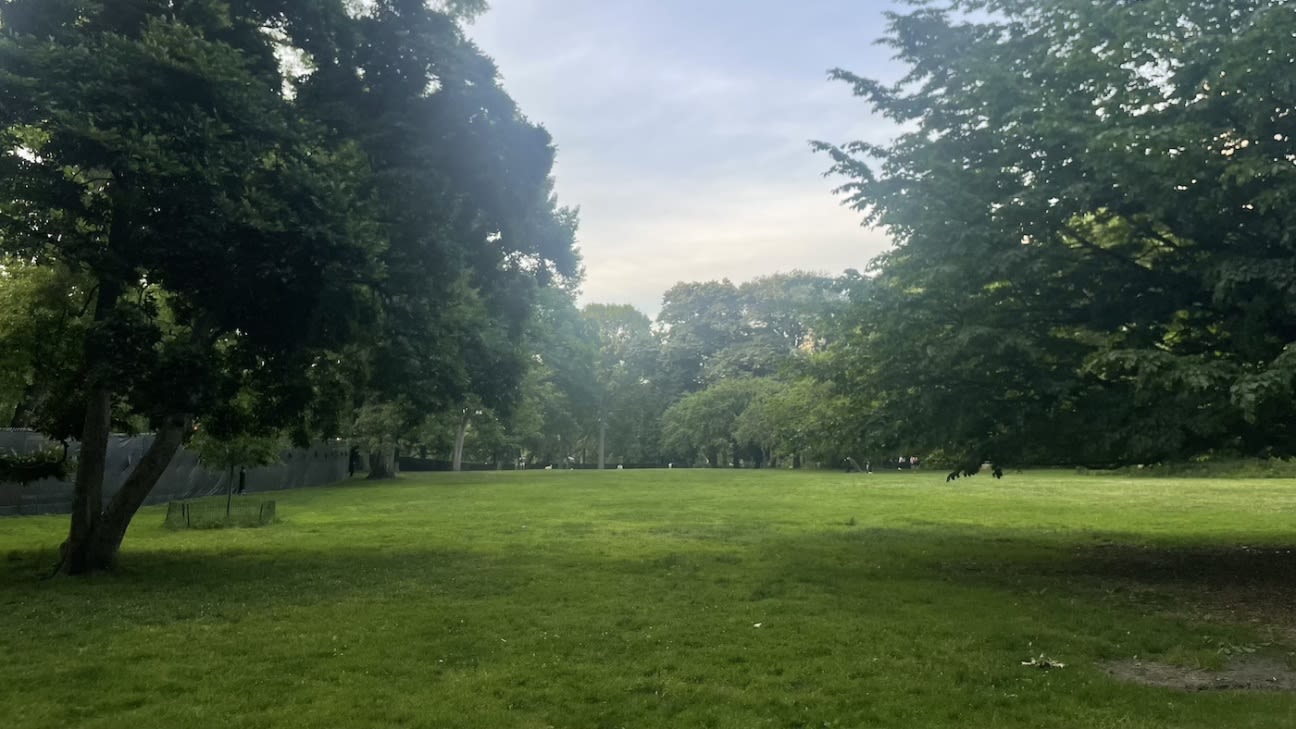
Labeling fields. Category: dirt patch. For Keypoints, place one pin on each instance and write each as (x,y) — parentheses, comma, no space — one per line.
(1234,585)
(1243,673)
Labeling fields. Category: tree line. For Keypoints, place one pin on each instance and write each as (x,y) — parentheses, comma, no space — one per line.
(1094,262)
(722,377)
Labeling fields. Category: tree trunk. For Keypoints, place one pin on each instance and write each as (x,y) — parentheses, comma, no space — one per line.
(99,550)
(602,441)
(87,493)
(130,497)
(229,494)
(382,463)
(456,461)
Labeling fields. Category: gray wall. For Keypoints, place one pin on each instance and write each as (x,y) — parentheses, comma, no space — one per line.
(321,464)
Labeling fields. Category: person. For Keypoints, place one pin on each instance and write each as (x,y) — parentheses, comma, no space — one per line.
(353,461)
(242,480)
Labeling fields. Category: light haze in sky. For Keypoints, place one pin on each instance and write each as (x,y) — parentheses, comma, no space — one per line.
(683,131)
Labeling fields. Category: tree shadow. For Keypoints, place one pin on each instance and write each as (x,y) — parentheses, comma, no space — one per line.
(1219,581)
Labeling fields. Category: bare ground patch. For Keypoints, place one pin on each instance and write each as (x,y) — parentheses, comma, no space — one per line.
(1240,585)
(1242,673)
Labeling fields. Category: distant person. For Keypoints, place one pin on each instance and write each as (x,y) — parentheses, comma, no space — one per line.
(242,480)
(353,461)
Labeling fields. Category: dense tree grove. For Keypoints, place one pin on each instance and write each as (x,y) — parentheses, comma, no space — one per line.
(245,222)
(1092,211)
(607,385)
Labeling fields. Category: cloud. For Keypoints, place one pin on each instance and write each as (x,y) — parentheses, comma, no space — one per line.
(712,231)
(683,130)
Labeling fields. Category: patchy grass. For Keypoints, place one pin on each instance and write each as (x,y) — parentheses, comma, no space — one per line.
(667,599)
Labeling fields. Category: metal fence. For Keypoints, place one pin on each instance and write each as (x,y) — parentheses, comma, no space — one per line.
(185,478)
(215,513)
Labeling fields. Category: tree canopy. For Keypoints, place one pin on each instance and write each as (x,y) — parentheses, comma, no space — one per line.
(270,202)
(1092,213)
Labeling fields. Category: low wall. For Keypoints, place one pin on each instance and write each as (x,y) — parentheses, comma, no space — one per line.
(185,478)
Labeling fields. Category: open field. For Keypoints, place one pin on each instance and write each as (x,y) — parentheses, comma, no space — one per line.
(667,599)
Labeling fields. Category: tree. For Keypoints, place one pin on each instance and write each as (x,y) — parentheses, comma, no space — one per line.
(308,206)
(462,180)
(696,321)
(1091,205)
(560,391)
(629,405)
(42,324)
(714,330)
(237,452)
(796,422)
(150,148)
(706,423)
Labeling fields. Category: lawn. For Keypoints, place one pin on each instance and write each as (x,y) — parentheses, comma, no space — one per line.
(680,598)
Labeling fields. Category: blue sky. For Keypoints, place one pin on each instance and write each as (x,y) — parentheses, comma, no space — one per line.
(683,128)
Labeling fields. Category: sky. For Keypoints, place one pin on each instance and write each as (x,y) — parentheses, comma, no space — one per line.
(683,130)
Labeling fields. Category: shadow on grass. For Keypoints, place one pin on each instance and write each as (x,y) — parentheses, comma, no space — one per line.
(1210,566)
(253,580)
(1229,581)
(957,549)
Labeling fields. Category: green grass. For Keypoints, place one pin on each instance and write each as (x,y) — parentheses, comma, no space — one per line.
(631,599)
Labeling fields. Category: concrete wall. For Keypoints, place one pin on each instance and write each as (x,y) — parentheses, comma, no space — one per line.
(321,464)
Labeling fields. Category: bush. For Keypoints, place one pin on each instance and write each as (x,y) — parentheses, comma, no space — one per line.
(23,469)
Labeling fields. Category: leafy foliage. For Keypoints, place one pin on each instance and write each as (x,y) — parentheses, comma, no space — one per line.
(25,468)
(1092,212)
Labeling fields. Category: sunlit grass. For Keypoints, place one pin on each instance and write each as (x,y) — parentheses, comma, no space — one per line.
(681,598)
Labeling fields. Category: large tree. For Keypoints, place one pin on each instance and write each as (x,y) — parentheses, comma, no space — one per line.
(283,210)
(462,180)
(1093,218)
(149,147)
(629,402)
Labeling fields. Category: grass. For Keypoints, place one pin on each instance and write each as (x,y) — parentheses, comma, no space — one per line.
(664,599)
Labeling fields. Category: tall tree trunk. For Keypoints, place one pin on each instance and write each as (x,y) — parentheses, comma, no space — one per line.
(87,494)
(456,461)
(130,497)
(98,550)
(229,493)
(602,442)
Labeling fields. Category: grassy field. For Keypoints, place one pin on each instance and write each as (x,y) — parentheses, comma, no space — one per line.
(667,599)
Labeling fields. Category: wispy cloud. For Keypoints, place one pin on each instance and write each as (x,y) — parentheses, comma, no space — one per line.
(683,131)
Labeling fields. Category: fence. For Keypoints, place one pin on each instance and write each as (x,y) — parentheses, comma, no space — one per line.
(185,478)
(213,513)
(412,464)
